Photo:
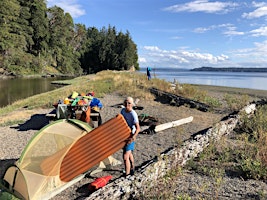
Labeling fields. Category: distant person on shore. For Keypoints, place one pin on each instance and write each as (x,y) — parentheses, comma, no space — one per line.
(131,118)
(148,73)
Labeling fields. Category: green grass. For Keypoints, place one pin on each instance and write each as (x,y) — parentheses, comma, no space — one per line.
(244,154)
(5,195)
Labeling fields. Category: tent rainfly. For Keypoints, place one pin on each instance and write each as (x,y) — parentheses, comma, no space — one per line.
(61,153)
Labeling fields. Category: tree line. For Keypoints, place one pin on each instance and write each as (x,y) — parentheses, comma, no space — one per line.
(34,37)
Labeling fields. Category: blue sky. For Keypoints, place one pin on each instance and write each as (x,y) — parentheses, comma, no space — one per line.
(182,34)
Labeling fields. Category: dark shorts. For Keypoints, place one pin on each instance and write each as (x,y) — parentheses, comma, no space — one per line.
(129,147)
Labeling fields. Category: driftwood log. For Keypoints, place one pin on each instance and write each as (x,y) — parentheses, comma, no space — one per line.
(176,100)
(161,127)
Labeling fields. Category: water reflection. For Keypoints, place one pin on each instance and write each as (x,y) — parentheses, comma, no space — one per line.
(15,89)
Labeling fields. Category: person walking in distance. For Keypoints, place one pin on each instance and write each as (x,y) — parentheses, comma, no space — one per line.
(148,73)
(131,118)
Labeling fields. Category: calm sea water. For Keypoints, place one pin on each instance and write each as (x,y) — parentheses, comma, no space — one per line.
(251,80)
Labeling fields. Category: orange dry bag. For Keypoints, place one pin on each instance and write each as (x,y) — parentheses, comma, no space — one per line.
(85,116)
(100,182)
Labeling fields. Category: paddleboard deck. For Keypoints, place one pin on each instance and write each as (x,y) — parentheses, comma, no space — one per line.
(94,147)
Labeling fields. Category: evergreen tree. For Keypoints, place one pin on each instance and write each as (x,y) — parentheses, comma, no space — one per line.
(55,17)
(39,24)
(25,27)
(90,58)
(33,37)
(129,56)
(12,38)
(79,40)
(107,54)
(62,33)
(9,12)
(109,50)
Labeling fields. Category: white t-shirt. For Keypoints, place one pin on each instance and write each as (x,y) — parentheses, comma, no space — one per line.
(131,119)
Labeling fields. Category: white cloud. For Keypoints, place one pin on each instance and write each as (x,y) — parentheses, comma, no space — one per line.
(230,29)
(232,33)
(261,10)
(155,56)
(262,48)
(176,38)
(258,4)
(69,6)
(203,6)
(202,29)
(141,60)
(256,56)
(206,57)
(152,48)
(262,31)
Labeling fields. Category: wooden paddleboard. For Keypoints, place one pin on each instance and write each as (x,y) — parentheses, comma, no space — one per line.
(94,147)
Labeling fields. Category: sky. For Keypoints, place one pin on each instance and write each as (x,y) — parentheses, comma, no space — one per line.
(182,34)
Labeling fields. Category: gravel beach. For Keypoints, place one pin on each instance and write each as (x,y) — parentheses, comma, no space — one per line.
(14,138)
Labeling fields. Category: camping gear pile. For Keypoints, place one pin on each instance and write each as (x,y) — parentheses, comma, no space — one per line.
(81,106)
(83,99)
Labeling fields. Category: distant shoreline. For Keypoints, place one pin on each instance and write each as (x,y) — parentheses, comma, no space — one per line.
(230,69)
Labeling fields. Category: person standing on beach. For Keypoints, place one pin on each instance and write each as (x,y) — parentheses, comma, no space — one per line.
(131,118)
(148,69)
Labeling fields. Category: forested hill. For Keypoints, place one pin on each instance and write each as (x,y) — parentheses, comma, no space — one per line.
(35,39)
(230,69)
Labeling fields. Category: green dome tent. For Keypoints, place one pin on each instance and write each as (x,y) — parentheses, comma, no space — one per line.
(61,153)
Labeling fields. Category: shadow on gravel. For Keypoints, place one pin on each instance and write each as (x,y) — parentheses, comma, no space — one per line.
(234,174)
(202,132)
(4,164)
(36,122)
(83,191)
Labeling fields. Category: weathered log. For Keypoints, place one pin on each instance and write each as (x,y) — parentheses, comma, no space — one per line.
(172,124)
(176,100)
(157,128)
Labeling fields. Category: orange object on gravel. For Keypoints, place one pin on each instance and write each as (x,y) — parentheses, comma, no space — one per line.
(99,182)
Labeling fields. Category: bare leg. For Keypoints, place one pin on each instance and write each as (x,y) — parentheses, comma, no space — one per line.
(127,163)
(132,160)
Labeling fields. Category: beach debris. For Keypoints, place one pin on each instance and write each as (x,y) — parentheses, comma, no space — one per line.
(157,128)
(147,120)
(176,100)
